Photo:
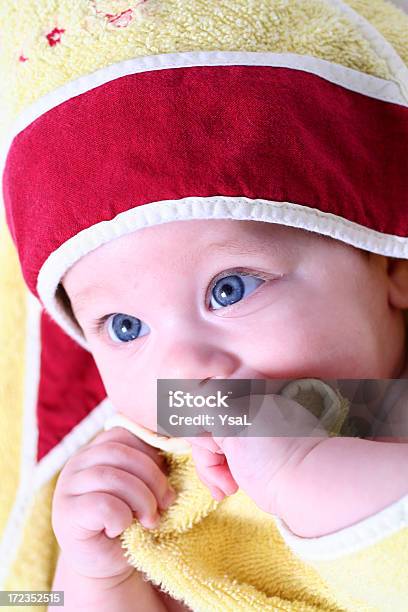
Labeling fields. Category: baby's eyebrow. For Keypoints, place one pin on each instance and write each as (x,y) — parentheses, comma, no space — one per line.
(235,246)
(248,246)
(82,296)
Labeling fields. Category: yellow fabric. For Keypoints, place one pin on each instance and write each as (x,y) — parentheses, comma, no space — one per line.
(12,317)
(378,573)
(274,578)
(384,17)
(225,556)
(228,555)
(90,41)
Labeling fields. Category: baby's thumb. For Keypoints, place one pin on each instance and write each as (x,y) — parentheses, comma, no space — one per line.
(213,470)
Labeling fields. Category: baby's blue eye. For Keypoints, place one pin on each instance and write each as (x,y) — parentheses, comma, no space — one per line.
(225,292)
(231,289)
(126,328)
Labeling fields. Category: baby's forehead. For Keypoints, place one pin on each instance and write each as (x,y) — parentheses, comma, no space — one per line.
(206,231)
(260,230)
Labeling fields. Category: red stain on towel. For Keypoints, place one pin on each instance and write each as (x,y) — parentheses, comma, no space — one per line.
(120,20)
(54,37)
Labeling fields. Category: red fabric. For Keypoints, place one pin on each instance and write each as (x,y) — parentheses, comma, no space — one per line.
(70,385)
(260,132)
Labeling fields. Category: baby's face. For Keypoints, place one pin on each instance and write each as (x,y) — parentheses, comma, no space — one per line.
(233,299)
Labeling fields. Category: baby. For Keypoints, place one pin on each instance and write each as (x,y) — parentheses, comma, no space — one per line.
(234,300)
(202,190)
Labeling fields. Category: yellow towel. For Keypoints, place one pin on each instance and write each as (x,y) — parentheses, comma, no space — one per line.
(222,556)
(219,556)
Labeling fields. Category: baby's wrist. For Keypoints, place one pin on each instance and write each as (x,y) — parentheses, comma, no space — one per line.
(85,577)
(286,490)
(84,593)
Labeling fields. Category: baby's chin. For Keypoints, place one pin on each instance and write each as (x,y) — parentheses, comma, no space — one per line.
(165,443)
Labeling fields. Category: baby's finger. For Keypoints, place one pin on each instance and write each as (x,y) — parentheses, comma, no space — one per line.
(127,487)
(131,460)
(214,468)
(205,441)
(89,530)
(96,511)
(119,434)
(215,491)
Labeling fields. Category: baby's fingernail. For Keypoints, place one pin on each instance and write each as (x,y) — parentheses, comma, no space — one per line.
(169,498)
(151,521)
(217,494)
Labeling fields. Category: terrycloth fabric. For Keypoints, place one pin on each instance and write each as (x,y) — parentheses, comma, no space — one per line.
(52,400)
(252,570)
(247,572)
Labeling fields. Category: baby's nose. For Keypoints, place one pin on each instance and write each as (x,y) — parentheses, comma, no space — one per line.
(195,360)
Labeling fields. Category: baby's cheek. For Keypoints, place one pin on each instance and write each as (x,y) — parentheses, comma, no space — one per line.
(132,394)
(142,414)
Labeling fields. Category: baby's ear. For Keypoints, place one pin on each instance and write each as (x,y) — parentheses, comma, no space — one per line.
(397,270)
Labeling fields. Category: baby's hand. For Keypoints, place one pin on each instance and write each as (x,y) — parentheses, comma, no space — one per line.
(98,491)
(260,466)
